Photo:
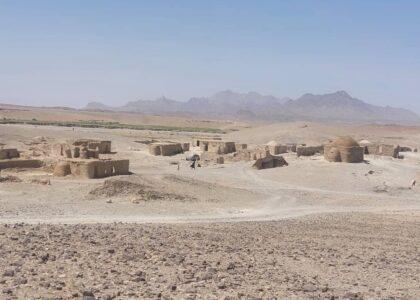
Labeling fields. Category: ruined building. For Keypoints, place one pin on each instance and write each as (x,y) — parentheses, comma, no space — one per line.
(81,159)
(92,168)
(276,148)
(250,154)
(71,151)
(344,149)
(240,146)
(103,147)
(309,150)
(381,149)
(10,158)
(218,147)
(165,149)
(197,141)
(81,148)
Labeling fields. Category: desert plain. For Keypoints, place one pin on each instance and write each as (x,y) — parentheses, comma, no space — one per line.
(310,230)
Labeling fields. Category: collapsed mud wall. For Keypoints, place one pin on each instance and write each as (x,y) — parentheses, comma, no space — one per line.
(62,169)
(406,149)
(154,149)
(389,150)
(197,142)
(70,151)
(9,153)
(165,149)
(291,147)
(240,146)
(102,147)
(382,150)
(213,158)
(20,163)
(105,147)
(277,149)
(185,147)
(247,155)
(171,149)
(309,150)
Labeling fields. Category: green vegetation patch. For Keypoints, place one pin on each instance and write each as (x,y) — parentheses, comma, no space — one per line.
(109,125)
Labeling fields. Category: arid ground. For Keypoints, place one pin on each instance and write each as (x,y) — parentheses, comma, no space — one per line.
(313,229)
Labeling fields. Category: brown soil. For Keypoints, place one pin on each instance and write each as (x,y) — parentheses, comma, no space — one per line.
(340,256)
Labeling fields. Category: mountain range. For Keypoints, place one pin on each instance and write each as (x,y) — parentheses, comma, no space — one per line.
(337,106)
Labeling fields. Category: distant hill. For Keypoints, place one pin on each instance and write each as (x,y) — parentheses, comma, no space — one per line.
(231,103)
(338,106)
(160,105)
(342,107)
(97,106)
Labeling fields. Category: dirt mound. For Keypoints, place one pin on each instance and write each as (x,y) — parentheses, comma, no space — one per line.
(133,188)
(146,142)
(181,180)
(41,181)
(10,178)
(392,190)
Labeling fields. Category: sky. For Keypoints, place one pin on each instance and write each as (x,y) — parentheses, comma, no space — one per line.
(68,53)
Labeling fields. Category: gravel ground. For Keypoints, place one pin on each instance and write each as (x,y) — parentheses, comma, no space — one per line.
(336,256)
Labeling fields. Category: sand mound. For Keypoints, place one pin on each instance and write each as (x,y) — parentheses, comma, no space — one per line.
(135,188)
(10,178)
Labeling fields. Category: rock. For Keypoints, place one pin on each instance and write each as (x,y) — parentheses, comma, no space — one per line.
(207,276)
(230,266)
(353,296)
(138,279)
(221,285)
(135,200)
(22,280)
(9,273)
(88,295)
(139,274)
(309,288)
(44,258)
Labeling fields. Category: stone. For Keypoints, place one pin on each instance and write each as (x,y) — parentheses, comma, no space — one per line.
(9,273)
(231,266)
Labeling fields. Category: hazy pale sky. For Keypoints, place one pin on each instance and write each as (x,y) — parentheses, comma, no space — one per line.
(73,52)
